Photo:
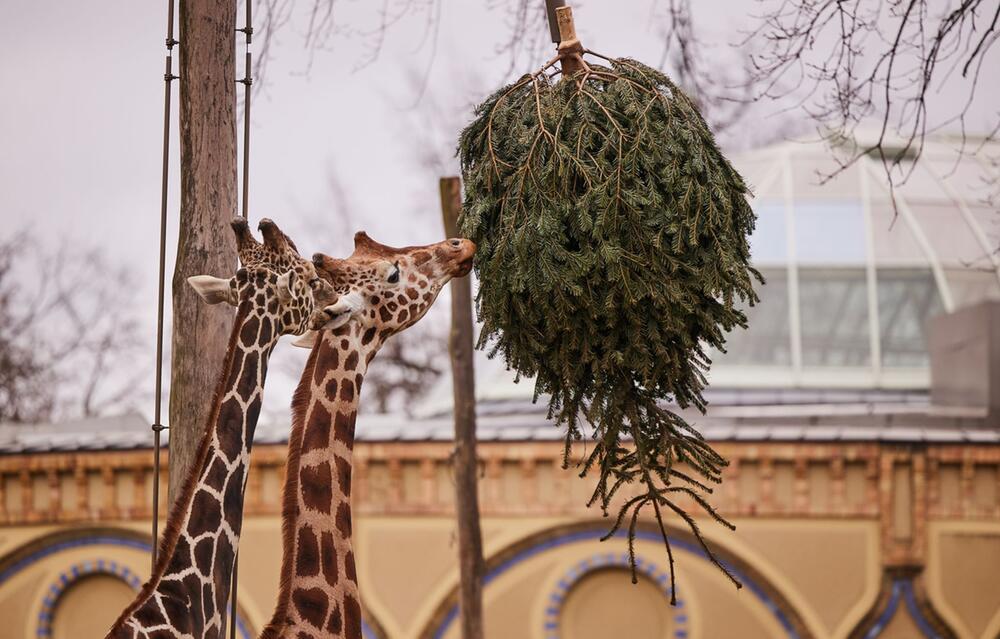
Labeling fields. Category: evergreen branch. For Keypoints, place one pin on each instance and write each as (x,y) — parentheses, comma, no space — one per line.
(701,540)
(612,239)
(670,553)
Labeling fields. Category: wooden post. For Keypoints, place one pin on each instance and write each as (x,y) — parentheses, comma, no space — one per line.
(551,6)
(460,345)
(208,202)
(570,48)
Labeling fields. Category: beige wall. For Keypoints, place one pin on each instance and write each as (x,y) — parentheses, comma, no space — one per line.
(826,544)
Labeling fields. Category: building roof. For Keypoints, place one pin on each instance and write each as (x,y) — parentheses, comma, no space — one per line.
(820,416)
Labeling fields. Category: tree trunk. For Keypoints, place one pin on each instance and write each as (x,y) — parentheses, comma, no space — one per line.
(470,540)
(208,202)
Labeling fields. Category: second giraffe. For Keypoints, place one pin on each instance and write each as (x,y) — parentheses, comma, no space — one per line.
(382,291)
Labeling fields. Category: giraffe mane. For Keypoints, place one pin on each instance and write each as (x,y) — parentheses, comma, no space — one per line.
(289,503)
(171,530)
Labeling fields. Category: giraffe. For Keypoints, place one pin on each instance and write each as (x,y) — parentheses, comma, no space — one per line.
(382,291)
(275,293)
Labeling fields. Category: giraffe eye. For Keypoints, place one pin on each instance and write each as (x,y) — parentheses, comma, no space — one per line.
(394,275)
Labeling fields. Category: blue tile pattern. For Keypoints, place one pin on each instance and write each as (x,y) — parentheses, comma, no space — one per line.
(367,632)
(595,534)
(70,576)
(78,571)
(902,589)
(610,560)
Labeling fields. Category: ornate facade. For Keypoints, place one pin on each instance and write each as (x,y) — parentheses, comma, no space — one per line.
(834,539)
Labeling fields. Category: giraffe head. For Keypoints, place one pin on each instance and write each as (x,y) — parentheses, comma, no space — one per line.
(274,280)
(384,289)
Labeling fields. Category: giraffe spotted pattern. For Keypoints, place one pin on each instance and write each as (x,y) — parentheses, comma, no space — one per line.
(276,292)
(381,291)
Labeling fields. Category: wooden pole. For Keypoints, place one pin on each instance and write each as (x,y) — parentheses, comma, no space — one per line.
(208,202)
(471,566)
(551,6)
(570,48)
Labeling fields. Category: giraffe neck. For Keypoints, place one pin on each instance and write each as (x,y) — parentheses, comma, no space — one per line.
(189,588)
(319,596)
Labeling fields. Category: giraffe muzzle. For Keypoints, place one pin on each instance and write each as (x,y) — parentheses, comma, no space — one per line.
(463,253)
(337,314)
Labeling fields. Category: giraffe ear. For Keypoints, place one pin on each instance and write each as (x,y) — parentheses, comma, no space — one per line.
(285,283)
(306,340)
(214,290)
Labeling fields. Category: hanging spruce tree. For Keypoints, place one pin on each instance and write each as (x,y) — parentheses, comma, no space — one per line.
(612,256)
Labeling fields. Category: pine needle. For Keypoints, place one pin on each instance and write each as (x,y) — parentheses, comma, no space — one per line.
(613,254)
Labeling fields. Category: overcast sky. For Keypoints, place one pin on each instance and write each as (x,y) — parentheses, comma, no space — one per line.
(81,115)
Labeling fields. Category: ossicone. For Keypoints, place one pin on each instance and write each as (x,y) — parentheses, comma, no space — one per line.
(365,244)
(274,238)
(244,238)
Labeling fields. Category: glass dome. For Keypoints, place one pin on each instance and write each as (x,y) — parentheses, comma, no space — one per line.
(851,280)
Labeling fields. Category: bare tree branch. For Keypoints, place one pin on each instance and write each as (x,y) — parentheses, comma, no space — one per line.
(69,334)
(849,61)
(406,367)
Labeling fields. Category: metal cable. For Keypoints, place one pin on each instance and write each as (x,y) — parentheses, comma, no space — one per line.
(247,82)
(158,427)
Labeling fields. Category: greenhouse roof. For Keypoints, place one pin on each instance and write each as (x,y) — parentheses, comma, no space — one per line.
(851,279)
(852,275)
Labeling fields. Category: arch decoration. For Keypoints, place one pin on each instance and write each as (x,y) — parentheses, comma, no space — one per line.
(68,578)
(903,589)
(765,593)
(603,561)
(36,550)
